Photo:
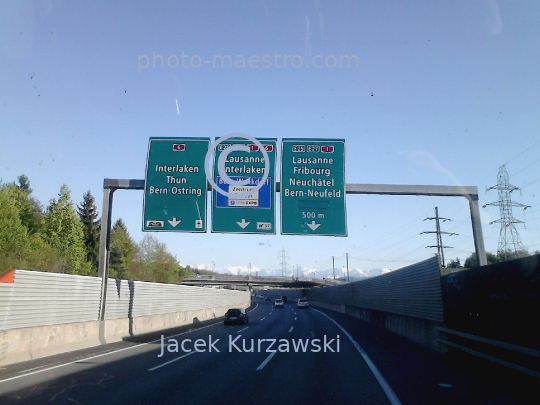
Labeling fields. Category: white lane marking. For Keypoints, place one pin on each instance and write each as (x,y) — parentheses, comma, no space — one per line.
(104,354)
(295,318)
(172,361)
(30,369)
(382,382)
(242,329)
(292,327)
(262,319)
(100,355)
(67,364)
(264,363)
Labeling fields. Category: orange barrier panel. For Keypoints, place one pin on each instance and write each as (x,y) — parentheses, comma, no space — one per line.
(8,277)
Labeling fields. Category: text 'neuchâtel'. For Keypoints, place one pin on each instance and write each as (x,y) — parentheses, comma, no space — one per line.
(315,173)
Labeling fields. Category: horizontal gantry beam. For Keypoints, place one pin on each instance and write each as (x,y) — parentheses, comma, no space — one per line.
(350,188)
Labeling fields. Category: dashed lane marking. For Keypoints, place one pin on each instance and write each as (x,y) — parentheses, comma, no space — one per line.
(264,363)
(172,361)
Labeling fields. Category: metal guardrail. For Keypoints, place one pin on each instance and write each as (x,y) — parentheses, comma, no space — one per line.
(491,343)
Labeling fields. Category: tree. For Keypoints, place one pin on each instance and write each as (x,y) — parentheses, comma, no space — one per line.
(64,233)
(18,247)
(155,263)
(24,183)
(185,272)
(117,262)
(504,256)
(122,251)
(88,215)
(471,261)
(30,211)
(13,234)
(454,263)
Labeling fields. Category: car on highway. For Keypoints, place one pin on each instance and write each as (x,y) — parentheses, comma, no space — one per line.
(284,298)
(278,303)
(236,316)
(302,303)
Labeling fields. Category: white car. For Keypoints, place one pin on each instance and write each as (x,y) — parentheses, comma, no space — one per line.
(302,303)
(278,303)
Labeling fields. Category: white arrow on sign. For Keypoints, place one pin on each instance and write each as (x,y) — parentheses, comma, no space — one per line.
(313,225)
(174,222)
(243,224)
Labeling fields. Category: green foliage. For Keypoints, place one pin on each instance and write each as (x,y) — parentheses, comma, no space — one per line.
(24,183)
(88,215)
(122,251)
(14,236)
(29,209)
(64,233)
(18,247)
(454,264)
(471,261)
(65,240)
(155,263)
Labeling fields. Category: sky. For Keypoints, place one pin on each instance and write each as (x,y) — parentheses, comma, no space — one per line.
(437,93)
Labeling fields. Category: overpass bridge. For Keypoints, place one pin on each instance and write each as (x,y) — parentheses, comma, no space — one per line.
(256,281)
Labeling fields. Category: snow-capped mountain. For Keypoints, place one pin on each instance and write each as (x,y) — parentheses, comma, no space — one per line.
(354,273)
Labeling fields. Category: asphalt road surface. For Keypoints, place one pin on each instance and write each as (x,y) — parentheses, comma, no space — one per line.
(282,356)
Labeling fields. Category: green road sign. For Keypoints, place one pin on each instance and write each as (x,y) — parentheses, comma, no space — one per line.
(313,187)
(175,185)
(244,208)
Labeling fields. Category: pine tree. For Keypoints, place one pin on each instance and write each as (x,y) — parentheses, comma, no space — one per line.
(88,215)
(24,183)
(122,251)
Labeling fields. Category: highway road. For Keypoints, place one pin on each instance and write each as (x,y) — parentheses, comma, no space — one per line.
(282,356)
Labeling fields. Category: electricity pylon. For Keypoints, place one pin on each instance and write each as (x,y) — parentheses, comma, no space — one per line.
(509,242)
(440,247)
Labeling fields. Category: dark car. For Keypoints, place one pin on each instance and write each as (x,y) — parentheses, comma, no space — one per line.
(236,316)
(284,298)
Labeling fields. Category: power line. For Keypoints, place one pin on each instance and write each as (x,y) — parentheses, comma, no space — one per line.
(519,154)
(526,167)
